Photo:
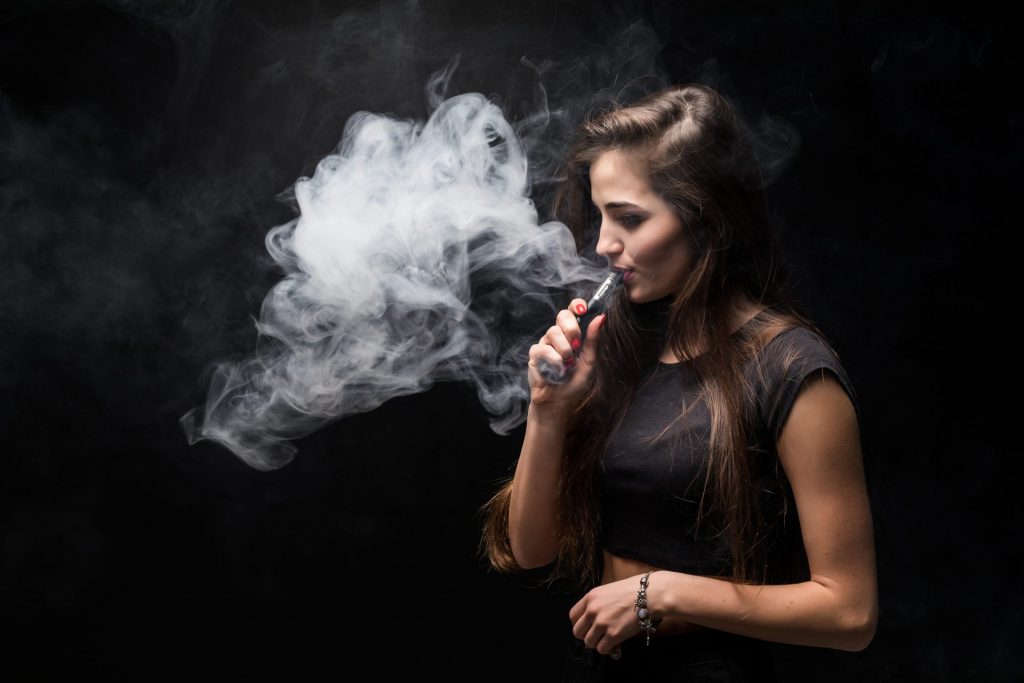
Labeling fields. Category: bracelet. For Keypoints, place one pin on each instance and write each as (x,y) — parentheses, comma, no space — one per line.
(643,615)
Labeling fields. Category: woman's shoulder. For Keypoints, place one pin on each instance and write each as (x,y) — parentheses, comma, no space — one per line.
(788,357)
(797,338)
(784,346)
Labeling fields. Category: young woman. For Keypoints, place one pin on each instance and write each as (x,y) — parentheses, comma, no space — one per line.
(699,473)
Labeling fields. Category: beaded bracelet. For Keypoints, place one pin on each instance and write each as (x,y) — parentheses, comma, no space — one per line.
(643,615)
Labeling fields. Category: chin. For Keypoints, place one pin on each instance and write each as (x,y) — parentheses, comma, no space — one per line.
(639,295)
(646,296)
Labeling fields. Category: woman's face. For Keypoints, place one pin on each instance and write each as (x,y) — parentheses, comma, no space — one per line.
(640,232)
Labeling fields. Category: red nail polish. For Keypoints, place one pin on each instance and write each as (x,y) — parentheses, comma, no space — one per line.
(570,361)
(576,344)
(581,309)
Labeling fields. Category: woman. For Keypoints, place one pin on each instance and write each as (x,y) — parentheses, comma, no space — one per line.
(701,412)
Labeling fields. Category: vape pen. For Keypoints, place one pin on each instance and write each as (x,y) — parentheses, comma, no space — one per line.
(595,307)
(599,302)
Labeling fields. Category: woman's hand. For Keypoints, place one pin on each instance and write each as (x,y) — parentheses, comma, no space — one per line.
(605,616)
(560,348)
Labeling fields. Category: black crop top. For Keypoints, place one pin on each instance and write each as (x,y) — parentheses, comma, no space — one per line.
(650,488)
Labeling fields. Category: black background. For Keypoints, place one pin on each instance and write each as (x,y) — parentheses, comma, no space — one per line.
(143,148)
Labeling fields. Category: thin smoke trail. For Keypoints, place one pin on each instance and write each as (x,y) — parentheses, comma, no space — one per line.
(417,257)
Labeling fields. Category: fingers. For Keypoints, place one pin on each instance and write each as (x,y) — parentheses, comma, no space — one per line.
(593,334)
(544,373)
(570,327)
(587,628)
(564,335)
(551,357)
(558,351)
(560,336)
(604,640)
(577,612)
(569,321)
(544,354)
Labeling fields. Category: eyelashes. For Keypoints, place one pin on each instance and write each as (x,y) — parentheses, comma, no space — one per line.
(627,220)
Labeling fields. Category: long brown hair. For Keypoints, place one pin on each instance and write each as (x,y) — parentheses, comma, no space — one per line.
(699,160)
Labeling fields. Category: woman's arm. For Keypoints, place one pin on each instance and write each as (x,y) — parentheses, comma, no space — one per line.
(532,515)
(532,525)
(819,447)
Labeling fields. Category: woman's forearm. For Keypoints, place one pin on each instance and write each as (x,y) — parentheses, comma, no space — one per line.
(532,521)
(809,613)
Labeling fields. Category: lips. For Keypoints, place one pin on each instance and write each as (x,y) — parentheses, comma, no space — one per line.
(627,273)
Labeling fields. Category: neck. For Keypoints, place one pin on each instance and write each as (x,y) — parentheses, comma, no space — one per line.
(740,316)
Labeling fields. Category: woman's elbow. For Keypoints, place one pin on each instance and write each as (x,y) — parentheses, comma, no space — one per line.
(531,560)
(531,554)
(531,549)
(527,565)
(858,629)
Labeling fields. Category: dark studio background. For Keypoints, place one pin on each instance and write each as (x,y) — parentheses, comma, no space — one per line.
(143,148)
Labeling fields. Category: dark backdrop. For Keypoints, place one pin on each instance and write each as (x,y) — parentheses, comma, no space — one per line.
(143,147)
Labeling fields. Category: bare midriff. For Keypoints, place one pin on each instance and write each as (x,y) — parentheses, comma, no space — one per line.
(618,568)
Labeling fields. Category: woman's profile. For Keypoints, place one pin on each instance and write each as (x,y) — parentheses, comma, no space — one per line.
(698,473)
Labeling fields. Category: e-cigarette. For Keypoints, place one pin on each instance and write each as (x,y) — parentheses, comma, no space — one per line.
(599,302)
(596,306)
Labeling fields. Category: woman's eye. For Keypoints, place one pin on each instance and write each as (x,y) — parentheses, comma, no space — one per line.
(630,221)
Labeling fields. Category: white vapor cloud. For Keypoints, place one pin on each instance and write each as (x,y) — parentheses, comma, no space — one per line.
(417,257)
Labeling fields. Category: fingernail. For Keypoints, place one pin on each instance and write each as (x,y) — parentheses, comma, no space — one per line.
(576,344)
(581,309)
(570,360)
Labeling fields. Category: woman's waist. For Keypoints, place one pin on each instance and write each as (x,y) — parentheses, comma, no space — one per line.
(617,567)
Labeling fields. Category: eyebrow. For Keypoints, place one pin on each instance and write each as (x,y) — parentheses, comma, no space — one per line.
(620,205)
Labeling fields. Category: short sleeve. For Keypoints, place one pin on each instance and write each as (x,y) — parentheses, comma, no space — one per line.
(789,359)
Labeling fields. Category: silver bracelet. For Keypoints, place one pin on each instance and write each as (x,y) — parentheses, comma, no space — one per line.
(643,615)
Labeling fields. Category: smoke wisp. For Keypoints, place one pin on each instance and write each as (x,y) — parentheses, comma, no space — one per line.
(417,257)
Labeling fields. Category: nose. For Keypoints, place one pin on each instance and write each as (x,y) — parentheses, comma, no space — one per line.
(609,243)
